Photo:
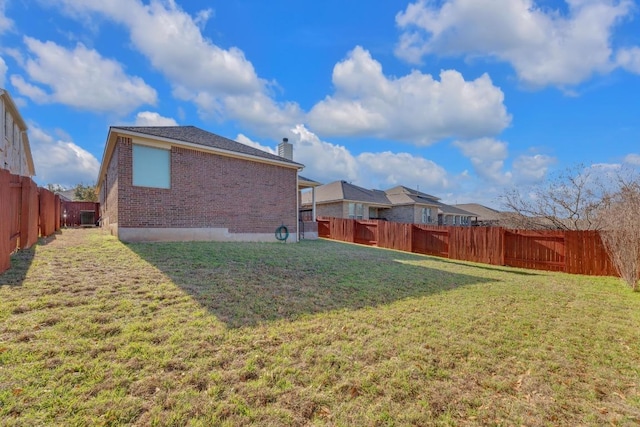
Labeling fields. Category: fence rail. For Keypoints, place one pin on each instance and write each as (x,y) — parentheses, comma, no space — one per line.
(26,213)
(576,252)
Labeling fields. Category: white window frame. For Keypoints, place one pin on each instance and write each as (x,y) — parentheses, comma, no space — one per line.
(359,211)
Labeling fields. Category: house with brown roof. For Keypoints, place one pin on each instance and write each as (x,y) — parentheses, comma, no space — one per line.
(182,183)
(482,215)
(15,152)
(412,206)
(341,199)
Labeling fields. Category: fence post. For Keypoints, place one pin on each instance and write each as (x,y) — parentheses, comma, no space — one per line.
(5,221)
(411,246)
(25,212)
(502,241)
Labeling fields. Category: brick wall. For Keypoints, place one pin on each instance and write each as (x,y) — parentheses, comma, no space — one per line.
(398,214)
(109,192)
(209,191)
(336,210)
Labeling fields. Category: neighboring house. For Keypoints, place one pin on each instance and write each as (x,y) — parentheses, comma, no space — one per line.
(15,152)
(308,213)
(412,206)
(344,200)
(180,183)
(483,215)
(398,204)
(450,215)
(67,195)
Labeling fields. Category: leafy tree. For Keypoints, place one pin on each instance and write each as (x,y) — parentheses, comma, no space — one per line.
(86,193)
(55,188)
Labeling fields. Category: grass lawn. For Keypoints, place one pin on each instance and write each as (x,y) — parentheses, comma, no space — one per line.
(96,332)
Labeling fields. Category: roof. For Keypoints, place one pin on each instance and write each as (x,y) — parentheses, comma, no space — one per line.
(304,182)
(339,191)
(67,195)
(195,135)
(452,210)
(401,195)
(483,213)
(400,189)
(8,102)
(191,137)
(345,191)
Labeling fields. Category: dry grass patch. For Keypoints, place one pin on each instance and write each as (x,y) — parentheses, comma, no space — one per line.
(95,332)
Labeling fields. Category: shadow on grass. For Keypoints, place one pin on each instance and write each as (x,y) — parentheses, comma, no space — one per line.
(510,270)
(20,263)
(244,284)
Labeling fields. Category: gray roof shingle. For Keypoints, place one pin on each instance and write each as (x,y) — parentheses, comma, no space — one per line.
(195,135)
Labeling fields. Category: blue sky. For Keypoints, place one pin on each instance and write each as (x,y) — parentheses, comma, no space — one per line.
(461,98)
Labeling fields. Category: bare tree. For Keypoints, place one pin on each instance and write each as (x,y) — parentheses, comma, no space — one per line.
(621,234)
(569,201)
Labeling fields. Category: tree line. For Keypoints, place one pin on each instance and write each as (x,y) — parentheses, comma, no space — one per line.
(81,192)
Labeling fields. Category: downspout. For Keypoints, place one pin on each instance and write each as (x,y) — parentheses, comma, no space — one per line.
(313,204)
(297,208)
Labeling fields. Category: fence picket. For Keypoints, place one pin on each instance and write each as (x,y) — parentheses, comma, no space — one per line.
(26,212)
(576,252)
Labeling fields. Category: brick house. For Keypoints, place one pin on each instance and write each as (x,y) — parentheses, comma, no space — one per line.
(181,183)
(15,152)
(342,199)
(414,206)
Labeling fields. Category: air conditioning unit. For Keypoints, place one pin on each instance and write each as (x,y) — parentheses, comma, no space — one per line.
(87,218)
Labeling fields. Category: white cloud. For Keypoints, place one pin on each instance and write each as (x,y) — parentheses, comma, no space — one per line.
(221,82)
(243,139)
(3,72)
(487,155)
(5,23)
(531,169)
(629,59)
(35,93)
(263,114)
(80,78)
(545,47)
(415,108)
(61,162)
(632,159)
(389,169)
(326,162)
(323,160)
(150,118)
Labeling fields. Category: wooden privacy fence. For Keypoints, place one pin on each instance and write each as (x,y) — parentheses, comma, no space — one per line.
(26,213)
(76,214)
(576,252)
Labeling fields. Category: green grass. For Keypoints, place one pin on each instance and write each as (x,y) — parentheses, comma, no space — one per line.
(96,332)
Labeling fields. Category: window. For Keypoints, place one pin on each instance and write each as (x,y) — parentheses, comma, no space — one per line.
(455,220)
(356,210)
(151,167)
(426,215)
